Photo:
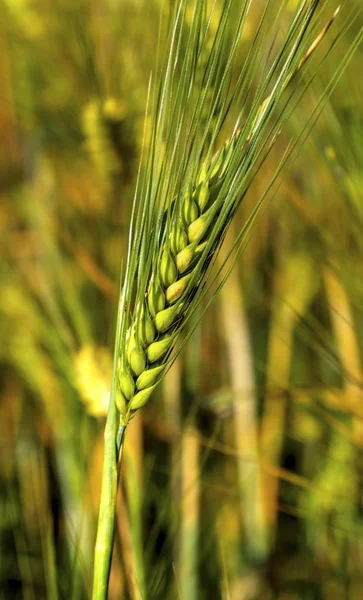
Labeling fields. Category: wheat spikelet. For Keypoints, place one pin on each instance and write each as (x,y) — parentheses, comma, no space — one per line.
(180,268)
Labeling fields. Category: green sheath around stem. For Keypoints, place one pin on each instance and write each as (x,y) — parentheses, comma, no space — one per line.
(107,512)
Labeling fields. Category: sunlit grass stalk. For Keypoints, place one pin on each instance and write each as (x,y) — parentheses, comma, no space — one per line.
(190,488)
(333,497)
(245,411)
(345,332)
(195,176)
(294,291)
(190,514)
(171,392)
(129,562)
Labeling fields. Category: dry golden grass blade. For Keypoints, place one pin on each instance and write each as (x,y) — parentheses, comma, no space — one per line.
(190,479)
(190,508)
(277,472)
(10,423)
(245,426)
(318,39)
(134,450)
(294,289)
(171,388)
(345,331)
(127,550)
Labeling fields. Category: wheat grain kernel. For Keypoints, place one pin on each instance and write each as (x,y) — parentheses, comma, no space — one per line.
(127,384)
(168,270)
(149,377)
(165,318)
(175,290)
(155,297)
(184,258)
(158,349)
(141,398)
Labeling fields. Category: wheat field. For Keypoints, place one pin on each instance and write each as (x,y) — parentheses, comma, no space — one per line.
(181,212)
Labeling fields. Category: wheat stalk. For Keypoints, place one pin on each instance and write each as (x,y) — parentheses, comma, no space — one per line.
(185,201)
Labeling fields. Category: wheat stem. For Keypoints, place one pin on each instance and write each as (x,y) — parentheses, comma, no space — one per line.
(107,512)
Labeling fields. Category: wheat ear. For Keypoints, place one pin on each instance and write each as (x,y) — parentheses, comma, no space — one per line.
(173,242)
(182,261)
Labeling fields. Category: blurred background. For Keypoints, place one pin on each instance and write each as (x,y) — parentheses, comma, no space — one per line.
(243,476)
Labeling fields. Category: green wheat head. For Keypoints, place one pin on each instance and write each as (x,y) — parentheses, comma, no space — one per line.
(191,189)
